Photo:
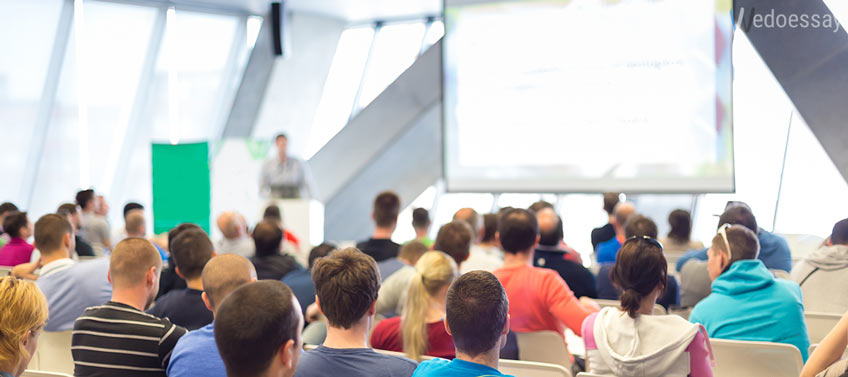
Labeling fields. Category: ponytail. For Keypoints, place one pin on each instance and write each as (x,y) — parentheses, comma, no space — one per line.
(640,267)
(433,271)
(630,302)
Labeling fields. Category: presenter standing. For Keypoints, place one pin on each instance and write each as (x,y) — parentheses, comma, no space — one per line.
(285,177)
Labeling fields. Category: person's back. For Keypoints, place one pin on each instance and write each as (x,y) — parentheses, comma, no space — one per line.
(385,213)
(269,261)
(71,290)
(235,240)
(606,232)
(578,278)
(824,269)
(17,250)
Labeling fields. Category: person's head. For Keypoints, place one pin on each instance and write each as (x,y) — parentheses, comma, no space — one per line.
(638,226)
(268,239)
(434,272)
(173,233)
(131,206)
(550,227)
(22,316)
(518,231)
(224,274)
(258,330)
(411,251)
(134,268)
(732,243)
(739,214)
(191,250)
(86,200)
(621,213)
(231,225)
(135,224)
(470,216)
(454,239)
(54,236)
(71,212)
(490,227)
(17,225)
(839,235)
(477,313)
(611,199)
(640,271)
(681,225)
(540,205)
(273,214)
(420,219)
(346,286)
(386,210)
(320,251)
(5,208)
(282,141)
(102,206)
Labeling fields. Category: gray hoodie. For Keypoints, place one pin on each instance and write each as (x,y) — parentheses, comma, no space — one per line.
(823,275)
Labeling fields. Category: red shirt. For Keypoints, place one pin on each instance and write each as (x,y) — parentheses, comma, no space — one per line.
(387,336)
(15,252)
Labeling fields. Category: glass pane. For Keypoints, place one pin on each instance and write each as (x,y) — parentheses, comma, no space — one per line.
(341,86)
(27,30)
(518,200)
(395,49)
(404,231)
(434,33)
(450,203)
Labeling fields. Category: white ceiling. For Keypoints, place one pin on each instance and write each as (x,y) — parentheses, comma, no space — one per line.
(349,10)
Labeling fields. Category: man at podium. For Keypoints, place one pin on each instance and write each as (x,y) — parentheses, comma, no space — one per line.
(285,177)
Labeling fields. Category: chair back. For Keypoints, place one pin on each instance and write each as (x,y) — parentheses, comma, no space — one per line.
(543,347)
(5,271)
(820,324)
(658,309)
(587,374)
(53,353)
(755,359)
(39,373)
(520,368)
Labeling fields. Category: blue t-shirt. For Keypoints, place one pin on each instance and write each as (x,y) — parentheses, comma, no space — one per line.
(196,355)
(607,250)
(352,362)
(300,282)
(455,368)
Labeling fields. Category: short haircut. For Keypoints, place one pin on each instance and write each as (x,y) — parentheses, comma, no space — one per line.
(135,221)
(272,213)
(24,308)
(253,323)
(67,209)
(638,226)
(477,309)
(132,206)
(225,273)
(50,231)
(610,200)
(622,212)
(191,250)
(741,215)
(6,207)
(680,221)
(470,216)
(130,261)
(320,251)
(744,244)
(268,238)
(454,239)
(386,209)
(640,267)
(412,250)
(490,227)
(518,230)
(539,205)
(839,235)
(13,223)
(173,233)
(346,283)
(84,196)
(420,218)
(550,227)
(280,136)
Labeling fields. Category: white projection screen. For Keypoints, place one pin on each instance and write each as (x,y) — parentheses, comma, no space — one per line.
(588,96)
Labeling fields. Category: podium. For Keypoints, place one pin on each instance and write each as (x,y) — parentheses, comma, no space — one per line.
(303,218)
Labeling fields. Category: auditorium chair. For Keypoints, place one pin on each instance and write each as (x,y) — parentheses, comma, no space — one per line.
(521,368)
(819,324)
(755,359)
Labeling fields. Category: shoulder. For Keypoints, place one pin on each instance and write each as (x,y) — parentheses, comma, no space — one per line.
(388,324)
(398,362)
(429,366)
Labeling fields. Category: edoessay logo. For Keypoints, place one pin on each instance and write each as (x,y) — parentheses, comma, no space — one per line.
(779,20)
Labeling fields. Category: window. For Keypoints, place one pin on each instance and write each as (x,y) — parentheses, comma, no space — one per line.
(435,31)
(404,231)
(396,47)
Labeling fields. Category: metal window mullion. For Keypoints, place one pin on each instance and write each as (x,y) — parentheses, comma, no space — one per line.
(429,25)
(230,80)
(354,109)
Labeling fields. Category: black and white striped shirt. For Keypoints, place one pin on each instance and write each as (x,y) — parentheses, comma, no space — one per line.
(118,340)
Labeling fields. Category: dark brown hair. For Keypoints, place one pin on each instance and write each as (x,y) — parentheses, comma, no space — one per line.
(638,225)
(518,229)
(476,313)
(191,250)
(420,218)
(267,238)
(13,222)
(386,208)
(640,267)
(839,235)
(346,283)
(490,227)
(454,239)
(610,200)
(681,225)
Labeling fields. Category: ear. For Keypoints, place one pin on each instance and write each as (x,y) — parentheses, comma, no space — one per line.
(151,276)
(180,274)
(214,254)
(66,240)
(25,340)
(447,328)
(286,354)
(373,309)
(109,276)
(206,302)
(506,326)
(536,243)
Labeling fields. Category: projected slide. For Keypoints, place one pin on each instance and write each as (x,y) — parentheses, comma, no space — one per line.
(588,95)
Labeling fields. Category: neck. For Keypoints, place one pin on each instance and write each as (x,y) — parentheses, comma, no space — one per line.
(488,358)
(435,312)
(53,256)
(519,258)
(420,233)
(646,306)
(10,368)
(354,337)
(282,157)
(196,284)
(383,232)
(136,297)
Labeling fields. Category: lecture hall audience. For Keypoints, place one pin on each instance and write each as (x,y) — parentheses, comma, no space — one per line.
(407,256)
(300,281)
(236,240)
(71,212)
(17,250)
(120,233)
(479,258)
(606,251)
(270,261)
(380,246)
(549,254)
(22,318)
(135,225)
(95,228)
(824,269)
(421,224)
(5,209)
(679,237)
(606,232)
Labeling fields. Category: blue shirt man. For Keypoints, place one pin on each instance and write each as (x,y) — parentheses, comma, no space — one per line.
(456,367)
(72,287)
(196,354)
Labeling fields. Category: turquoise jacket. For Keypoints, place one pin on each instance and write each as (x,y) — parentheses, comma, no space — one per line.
(748,303)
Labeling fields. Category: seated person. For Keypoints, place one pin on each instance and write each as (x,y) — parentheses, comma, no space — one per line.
(477,318)
(170,280)
(5,209)
(300,281)
(774,251)
(539,298)
(454,239)
(118,338)
(184,307)
(346,283)
(606,232)
(72,213)
(747,302)
(135,225)
(380,246)
(270,262)
(605,251)
(236,240)
(421,328)
(614,337)
(196,353)
(70,287)
(479,257)
(272,213)
(822,270)
(550,255)
(421,223)
(22,317)
(17,250)
(638,226)
(407,257)
(264,341)
(826,360)
(679,238)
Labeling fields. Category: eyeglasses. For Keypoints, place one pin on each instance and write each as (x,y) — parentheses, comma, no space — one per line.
(650,240)
(723,231)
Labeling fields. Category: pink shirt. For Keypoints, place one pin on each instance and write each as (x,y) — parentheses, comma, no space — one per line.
(15,252)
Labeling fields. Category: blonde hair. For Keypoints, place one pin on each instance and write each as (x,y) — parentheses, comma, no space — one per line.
(433,271)
(24,309)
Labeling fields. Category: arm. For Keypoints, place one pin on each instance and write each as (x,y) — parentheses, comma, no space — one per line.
(700,360)
(26,270)
(169,339)
(830,349)
(563,305)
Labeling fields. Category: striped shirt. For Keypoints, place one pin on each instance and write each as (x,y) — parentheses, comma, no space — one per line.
(118,340)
